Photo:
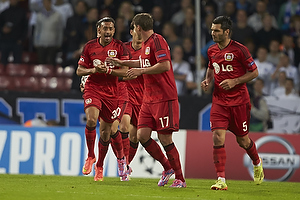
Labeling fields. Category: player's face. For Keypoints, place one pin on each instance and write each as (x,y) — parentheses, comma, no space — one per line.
(106,32)
(218,35)
(136,37)
(137,31)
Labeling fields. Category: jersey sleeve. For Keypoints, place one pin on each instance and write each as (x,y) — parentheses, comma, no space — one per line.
(247,60)
(209,59)
(161,49)
(84,59)
(124,53)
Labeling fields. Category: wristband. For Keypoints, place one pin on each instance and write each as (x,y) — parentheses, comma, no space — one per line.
(109,70)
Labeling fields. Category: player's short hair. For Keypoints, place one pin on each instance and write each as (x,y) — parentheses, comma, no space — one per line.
(105,19)
(226,23)
(131,27)
(144,20)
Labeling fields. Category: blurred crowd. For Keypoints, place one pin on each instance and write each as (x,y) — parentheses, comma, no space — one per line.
(54,32)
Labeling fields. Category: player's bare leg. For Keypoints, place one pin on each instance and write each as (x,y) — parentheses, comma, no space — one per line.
(219,157)
(250,147)
(90,135)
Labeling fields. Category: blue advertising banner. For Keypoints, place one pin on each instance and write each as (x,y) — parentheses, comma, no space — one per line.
(49,151)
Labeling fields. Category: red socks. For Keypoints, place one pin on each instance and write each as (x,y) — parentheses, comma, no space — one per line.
(155,151)
(90,136)
(116,142)
(132,151)
(219,157)
(173,157)
(103,147)
(252,152)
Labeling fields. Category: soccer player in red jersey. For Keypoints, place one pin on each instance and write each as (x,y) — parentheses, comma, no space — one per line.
(231,66)
(160,108)
(130,111)
(100,93)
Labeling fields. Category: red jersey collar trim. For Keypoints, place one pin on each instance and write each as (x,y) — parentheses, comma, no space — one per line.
(98,41)
(226,46)
(151,36)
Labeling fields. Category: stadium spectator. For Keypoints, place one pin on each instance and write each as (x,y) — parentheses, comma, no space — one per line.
(179,16)
(267,33)
(121,31)
(4,4)
(189,52)
(100,92)
(286,12)
(297,53)
(140,6)
(65,9)
(158,17)
(182,71)
(243,5)
(159,95)
(188,28)
(274,52)
(284,65)
(256,19)
(229,10)
(265,68)
(126,11)
(89,28)
(13,30)
(288,46)
(170,35)
(294,29)
(230,97)
(278,87)
(48,34)
(259,108)
(110,7)
(251,46)
(205,29)
(241,31)
(289,92)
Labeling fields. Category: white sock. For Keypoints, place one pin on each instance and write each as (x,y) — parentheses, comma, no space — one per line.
(222,179)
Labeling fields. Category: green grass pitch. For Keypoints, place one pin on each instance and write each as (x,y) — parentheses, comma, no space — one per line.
(84,188)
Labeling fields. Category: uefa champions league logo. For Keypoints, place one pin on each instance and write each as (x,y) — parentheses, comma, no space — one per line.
(289,162)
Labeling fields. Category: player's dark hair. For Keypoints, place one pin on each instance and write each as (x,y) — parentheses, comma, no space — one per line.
(226,23)
(131,27)
(144,20)
(105,19)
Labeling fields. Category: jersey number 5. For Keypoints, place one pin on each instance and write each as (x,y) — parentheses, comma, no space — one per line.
(245,127)
(164,119)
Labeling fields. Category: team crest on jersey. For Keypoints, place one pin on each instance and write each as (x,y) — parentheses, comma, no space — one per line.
(147,51)
(88,101)
(216,67)
(112,53)
(229,56)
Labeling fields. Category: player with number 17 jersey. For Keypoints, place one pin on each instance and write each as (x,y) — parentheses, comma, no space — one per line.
(158,87)
(231,62)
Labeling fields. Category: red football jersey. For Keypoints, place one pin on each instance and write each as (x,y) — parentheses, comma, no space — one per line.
(135,86)
(105,84)
(158,87)
(231,62)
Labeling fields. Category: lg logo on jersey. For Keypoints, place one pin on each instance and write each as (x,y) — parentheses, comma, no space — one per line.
(227,68)
(145,63)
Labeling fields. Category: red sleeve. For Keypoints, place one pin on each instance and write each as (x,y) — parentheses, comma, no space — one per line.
(84,59)
(124,53)
(162,50)
(247,60)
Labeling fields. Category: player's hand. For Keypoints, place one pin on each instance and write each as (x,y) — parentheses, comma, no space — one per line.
(204,85)
(113,61)
(101,68)
(134,72)
(81,87)
(228,84)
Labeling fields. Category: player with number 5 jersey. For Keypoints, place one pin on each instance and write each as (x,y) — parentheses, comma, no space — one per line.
(231,66)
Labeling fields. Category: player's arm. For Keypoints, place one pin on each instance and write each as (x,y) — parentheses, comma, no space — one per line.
(228,84)
(120,63)
(158,68)
(208,78)
(83,71)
